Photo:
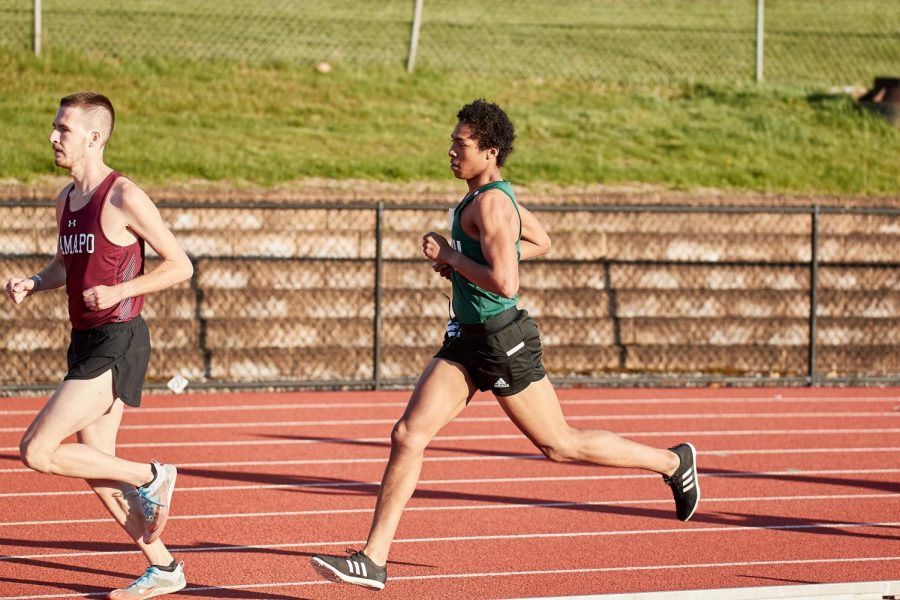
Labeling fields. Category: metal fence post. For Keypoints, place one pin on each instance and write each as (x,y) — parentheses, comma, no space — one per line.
(813,285)
(37,27)
(414,38)
(376,334)
(760,32)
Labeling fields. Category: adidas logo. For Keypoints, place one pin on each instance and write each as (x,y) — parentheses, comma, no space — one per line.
(357,568)
(501,383)
(687,481)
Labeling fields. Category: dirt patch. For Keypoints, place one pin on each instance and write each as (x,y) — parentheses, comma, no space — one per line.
(311,191)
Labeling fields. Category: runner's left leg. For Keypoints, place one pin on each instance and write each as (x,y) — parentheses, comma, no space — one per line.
(537,414)
(76,404)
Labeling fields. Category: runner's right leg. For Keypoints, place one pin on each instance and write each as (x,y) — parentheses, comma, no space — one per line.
(101,435)
(441,393)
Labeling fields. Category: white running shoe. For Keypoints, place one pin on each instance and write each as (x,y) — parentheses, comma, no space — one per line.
(154,582)
(156,500)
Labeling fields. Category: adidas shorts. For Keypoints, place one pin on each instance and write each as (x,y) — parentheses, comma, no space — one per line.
(122,347)
(502,355)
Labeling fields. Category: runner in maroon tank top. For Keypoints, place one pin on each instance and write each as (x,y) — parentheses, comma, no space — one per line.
(91,259)
(104,220)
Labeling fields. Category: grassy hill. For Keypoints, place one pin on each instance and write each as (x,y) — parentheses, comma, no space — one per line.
(268,124)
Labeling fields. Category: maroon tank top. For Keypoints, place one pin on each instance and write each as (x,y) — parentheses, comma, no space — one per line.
(92,260)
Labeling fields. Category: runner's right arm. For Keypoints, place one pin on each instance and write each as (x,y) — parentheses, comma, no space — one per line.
(52,276)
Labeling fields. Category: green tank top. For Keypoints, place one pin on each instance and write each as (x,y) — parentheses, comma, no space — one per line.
(473,304)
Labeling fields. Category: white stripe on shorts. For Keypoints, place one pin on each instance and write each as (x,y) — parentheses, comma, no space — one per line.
(515,349)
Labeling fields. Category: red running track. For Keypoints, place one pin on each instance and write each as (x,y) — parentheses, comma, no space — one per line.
(799,486)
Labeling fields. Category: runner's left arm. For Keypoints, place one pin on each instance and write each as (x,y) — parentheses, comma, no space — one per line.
(534,241)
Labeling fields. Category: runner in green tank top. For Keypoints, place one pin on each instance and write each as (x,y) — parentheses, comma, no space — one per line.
(471,303)
(490,345)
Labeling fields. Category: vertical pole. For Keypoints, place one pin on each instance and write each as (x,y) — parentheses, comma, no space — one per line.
(813,286)
(37,27)
(760,32)
(414,38)
(376,334)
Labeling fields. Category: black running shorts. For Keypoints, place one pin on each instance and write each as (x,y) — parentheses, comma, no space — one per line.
(122,347)
(502,355)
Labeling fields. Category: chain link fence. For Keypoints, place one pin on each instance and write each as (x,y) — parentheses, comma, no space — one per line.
(337,295)
(630,41)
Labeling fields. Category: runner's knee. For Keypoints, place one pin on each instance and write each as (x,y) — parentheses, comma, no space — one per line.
(34,456)
(562,449)
(557,453)
(405,438)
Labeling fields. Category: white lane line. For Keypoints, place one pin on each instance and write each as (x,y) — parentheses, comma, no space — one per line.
(329,461)
(856,590)
(471,538)
(131,412)
(799,450)
(531,573)
(509,480)
(571,402)
(457,438)
(540,457)
(470,507)
(504,419)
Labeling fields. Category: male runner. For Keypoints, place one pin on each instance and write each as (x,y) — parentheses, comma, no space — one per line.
(490,344)
(103,221)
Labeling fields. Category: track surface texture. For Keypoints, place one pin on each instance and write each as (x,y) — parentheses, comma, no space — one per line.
(800,486)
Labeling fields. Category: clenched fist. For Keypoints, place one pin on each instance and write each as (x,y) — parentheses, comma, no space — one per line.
(18,289)
(101,297)
(442,269)
(435,247)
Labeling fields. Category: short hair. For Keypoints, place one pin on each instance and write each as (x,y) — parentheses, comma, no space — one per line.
(490,126)
(93,102)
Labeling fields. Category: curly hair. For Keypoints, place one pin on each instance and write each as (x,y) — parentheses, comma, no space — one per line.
(490,126)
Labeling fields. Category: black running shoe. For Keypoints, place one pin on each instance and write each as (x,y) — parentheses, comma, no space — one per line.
(357,568)
(684,483)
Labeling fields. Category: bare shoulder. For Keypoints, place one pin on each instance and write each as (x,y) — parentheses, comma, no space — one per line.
(127,196)
(61,198)
(492,194)
(124,192)
(64,193)
(493,200)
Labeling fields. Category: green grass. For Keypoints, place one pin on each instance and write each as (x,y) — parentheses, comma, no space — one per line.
(806,41)
(181,120)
